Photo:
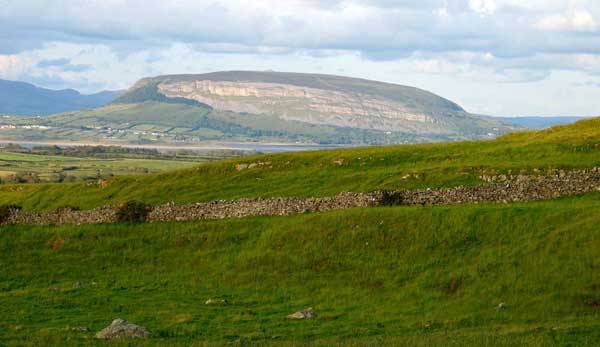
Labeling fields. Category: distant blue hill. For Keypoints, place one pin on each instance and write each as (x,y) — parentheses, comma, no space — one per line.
(539,122)
(24,99)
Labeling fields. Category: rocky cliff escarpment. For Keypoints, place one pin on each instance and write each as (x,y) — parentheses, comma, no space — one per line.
(304,104)
(314,99)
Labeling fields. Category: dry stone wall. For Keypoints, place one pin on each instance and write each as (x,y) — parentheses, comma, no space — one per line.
(502,189)
(106,214)
(259,207)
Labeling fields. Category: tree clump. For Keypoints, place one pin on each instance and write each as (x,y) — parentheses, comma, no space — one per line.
(133,212)
(6,211)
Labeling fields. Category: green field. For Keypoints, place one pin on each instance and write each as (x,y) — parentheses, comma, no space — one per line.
(49,168)
(426,276)
(323,173)
(385,276)
(91,163)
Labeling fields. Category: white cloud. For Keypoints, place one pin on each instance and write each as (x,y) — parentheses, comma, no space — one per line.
(586,62)
(378,28)
(436,66)
(443,12)
(11,66)
(576,19)
(484,7)
(477,41)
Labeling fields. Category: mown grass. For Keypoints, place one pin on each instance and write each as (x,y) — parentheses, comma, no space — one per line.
(422,276)
(325,173)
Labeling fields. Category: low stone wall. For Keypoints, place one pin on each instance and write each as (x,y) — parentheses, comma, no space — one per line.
(260,207)
(106,214)
(210,210)
(502,190)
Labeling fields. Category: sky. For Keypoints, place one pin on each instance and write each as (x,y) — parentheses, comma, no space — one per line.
(495,57)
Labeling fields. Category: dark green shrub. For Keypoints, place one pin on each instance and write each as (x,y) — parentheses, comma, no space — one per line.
(133,212)
(390,198)
(6,211)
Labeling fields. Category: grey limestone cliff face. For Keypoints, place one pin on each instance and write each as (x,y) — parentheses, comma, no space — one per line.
(305,104)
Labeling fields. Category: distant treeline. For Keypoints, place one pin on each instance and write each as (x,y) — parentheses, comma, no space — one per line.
(58,177)
(107,152)
(79,151)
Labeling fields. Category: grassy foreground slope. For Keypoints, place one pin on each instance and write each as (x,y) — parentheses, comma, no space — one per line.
(422,276)
(329,172)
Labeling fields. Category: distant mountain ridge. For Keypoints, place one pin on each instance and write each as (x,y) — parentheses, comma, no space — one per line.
(540,122)
(25,99)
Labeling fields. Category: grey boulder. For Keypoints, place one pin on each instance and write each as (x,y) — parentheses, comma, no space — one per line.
(304,314)
(122,329)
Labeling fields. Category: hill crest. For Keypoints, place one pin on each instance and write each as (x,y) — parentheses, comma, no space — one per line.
(320,99)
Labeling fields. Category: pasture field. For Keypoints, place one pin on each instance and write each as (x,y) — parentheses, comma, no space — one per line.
(521,274)
(52,164)
(422,276)
(50,168)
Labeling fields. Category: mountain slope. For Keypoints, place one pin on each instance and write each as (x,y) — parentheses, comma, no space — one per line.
(20,98)
(320,99)
(170,123)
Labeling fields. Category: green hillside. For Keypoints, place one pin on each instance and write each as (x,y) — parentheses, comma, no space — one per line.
(174,123)
(325,173)
(385,276)
(426,276)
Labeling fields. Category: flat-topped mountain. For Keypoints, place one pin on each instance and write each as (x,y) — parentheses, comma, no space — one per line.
(247,106)
(320,99)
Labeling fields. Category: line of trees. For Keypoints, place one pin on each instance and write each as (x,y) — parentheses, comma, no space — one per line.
(57,177)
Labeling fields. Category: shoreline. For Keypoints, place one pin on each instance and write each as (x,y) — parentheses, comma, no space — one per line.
(243,146)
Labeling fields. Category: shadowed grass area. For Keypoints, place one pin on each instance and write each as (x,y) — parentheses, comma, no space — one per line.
(324,173)
(423,276)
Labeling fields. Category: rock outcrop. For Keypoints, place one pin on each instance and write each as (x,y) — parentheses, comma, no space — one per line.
(122,329)
(216,302)
(304,104)
(307,313)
